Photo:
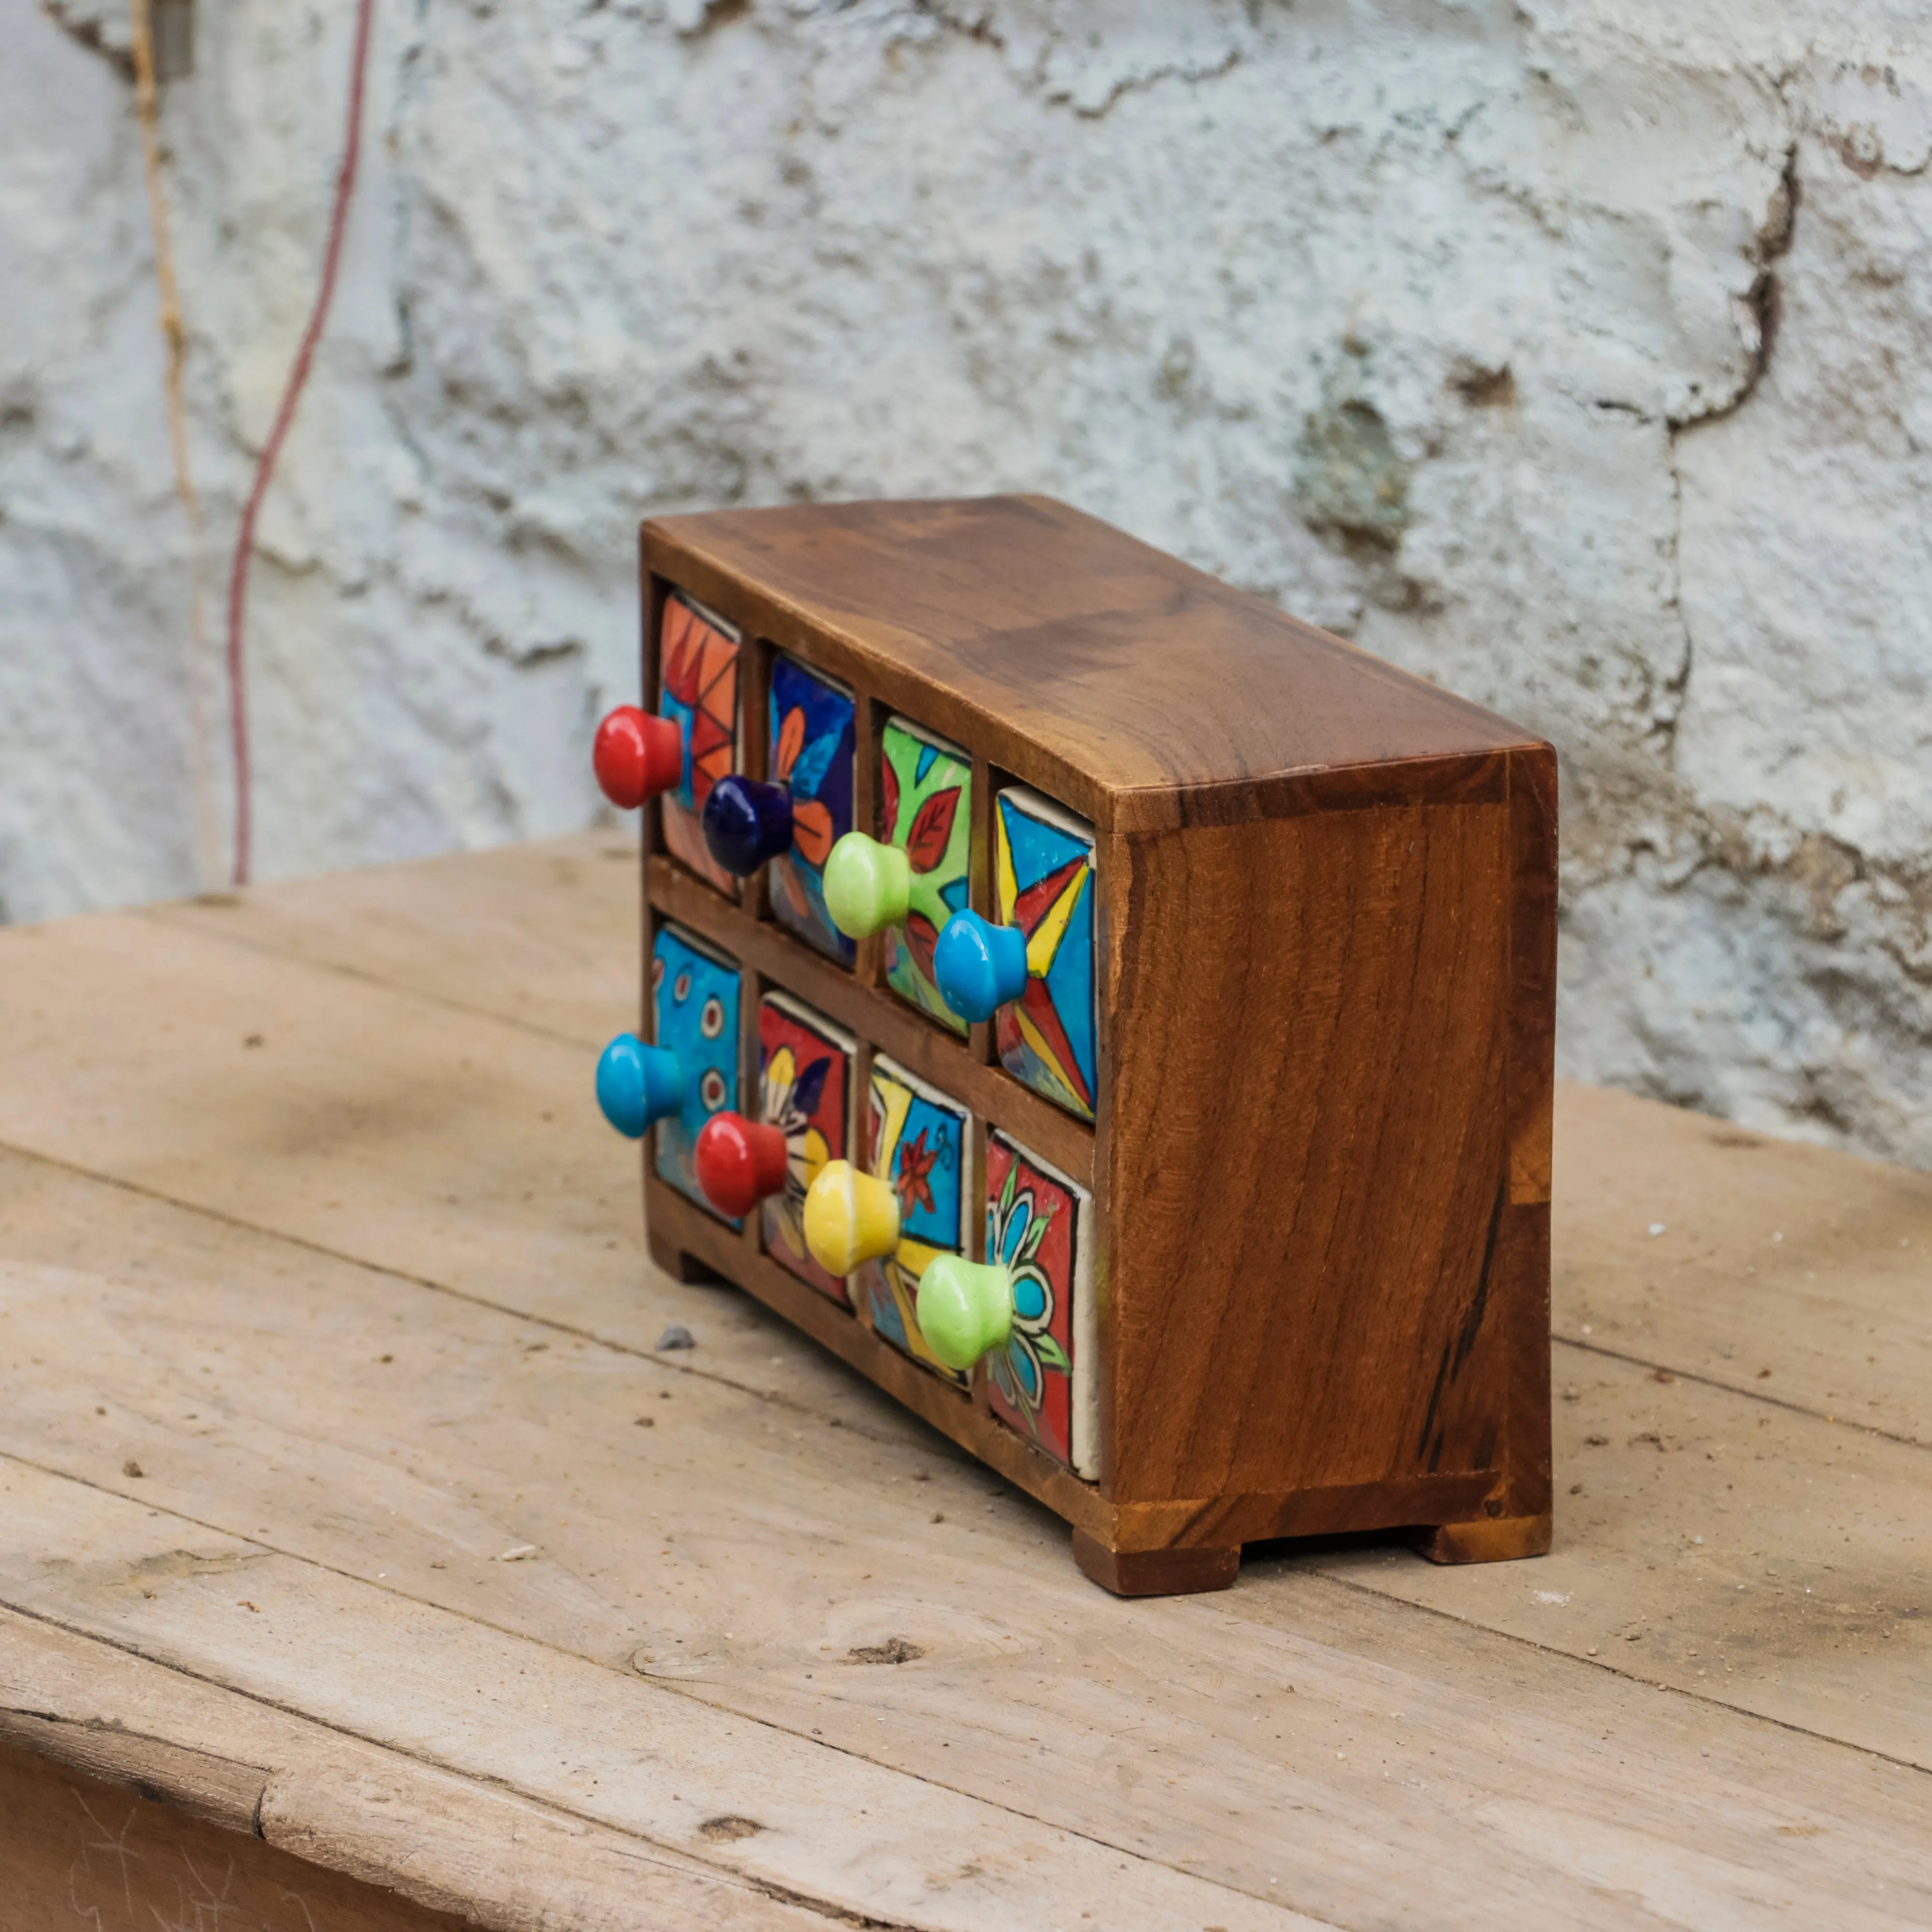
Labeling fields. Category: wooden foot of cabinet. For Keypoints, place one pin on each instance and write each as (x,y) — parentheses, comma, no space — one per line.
(1156,1573)
(678,1263)
(1487,1540)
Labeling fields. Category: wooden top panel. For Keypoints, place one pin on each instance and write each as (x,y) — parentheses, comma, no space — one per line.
(1089,662)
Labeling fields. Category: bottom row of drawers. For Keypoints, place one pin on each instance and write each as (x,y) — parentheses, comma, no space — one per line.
(920,1142)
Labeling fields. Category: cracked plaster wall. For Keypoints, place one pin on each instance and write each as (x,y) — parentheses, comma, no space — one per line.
(1576,356)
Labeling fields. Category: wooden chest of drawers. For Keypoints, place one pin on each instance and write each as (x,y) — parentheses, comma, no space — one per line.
(1246,1135)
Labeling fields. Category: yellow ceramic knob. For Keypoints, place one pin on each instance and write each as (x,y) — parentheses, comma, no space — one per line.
(850,1217)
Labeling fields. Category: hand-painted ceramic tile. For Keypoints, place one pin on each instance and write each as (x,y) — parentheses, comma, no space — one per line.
(811,740)
(916,1139)
(805,1090)
(1039,1228)
(1043,880)
(925,805)
(697,687)
(694,1003)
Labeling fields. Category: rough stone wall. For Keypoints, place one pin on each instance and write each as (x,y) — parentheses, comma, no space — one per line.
(1575,355)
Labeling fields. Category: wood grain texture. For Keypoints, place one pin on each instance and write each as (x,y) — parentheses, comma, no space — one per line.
(1793,1274)
(947,610)
(1168,1571)
(1531,1079)
(1482,1747)
(1302,1290)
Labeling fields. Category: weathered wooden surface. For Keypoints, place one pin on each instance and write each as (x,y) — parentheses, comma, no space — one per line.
(366,1305)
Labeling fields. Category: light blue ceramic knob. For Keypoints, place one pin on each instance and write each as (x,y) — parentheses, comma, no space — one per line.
(637,1084)
(978,966)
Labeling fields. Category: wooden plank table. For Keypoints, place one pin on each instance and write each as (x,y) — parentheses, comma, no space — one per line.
(363,1562)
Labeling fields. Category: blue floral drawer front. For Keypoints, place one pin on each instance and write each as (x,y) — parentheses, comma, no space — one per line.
(1039,1228)
(1043,884)
(811,754)
(919,1141)
(694,1013)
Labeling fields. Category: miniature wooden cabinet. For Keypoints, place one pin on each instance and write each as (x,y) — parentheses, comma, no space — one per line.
(1195,1053)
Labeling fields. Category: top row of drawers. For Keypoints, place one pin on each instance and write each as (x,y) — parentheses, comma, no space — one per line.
(1030,968)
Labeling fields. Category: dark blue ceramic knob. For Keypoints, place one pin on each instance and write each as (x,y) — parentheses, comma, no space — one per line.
(637,1084)
(747,822)
(978,966)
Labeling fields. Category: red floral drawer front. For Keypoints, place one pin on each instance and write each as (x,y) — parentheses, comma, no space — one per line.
(697,689)
(804,1087)
(1039,1227)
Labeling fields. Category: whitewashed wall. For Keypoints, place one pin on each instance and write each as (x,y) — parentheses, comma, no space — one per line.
(1578,356)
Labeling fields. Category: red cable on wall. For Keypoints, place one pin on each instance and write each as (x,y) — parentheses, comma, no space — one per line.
(265,470)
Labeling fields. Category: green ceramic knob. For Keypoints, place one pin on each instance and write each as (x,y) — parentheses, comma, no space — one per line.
(867,885)
(964,1308)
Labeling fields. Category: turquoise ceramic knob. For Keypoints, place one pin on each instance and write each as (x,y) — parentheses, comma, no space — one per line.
(637,1084)
(867,885)
(978,966)
(964,1308)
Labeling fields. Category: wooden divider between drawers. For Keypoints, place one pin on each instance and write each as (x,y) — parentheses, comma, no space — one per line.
(877,1015)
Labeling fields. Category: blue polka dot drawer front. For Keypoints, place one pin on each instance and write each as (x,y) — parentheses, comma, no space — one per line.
(694,1013)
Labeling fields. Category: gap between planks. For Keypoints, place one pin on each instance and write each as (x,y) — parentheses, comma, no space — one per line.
(1731,1389)
(167,916)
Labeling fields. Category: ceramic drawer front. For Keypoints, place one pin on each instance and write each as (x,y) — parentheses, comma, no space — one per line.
(810,752)
(694,1009)
(925,809)
(918,1141)
(1039,1228)
(1043,884)
(698,668)
(807,1065)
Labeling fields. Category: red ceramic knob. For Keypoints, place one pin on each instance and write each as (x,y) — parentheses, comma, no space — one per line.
(740,1162)
(638,756)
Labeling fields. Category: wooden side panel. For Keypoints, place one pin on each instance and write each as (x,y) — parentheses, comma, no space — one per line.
(1523,1260)
(1532,1030)
(1522,1281)
(1307,1155)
